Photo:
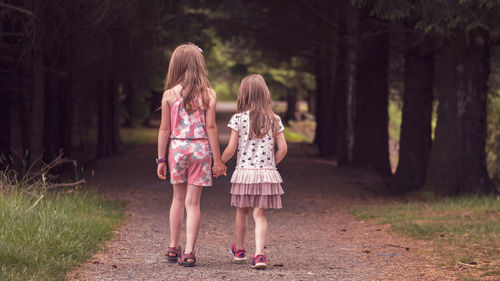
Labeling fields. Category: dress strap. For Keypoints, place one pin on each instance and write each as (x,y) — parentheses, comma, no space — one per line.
(177,97)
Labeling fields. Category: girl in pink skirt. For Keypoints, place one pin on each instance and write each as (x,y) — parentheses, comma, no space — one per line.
(255,182)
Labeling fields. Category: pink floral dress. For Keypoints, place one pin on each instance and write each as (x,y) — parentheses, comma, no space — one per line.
(189,155)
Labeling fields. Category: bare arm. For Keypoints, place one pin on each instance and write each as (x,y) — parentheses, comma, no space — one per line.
(231,146)
(163,136)
(282,148)
(213,135)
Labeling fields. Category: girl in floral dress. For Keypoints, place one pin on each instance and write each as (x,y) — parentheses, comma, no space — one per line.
(188,119)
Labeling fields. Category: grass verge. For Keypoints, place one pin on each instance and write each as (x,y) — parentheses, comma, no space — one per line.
(463,230)
(61,231)
(300,131)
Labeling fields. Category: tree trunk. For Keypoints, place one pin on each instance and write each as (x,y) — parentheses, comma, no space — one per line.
(325,129)
(351,21)
(371,120)
(458,159)
(5,105)
(291,105)
(415,141)
(37,100)
(311,106)
(340,89)
(108,121)
(132,102)
(53,132)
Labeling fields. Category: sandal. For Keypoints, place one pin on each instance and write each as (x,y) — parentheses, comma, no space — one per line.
(176,251)
(184,260)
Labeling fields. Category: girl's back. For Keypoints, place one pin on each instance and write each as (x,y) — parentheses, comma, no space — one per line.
(186,125)
(256,152)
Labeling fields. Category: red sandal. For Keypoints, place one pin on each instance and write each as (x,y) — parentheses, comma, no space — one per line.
(172,250)
(184,260)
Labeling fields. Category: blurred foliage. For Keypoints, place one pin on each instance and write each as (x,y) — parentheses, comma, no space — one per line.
(300,131)
(134,136)
(445,17)
(228,64)
(395,119)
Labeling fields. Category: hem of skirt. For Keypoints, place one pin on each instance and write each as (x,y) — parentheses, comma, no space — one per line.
(186,181)
(277,208)
(256,201)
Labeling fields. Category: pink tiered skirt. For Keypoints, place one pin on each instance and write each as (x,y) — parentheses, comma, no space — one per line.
(259,188)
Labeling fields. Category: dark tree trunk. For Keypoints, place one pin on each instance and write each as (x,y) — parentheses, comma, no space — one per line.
(458,159)
(351,21)
(4,126)
(115,109)
(415,141)
(53,140)
(131,102)
(108,131)
(371,120)
(37,102)
(325,130)
(311,106)
(340,91)
(291,105)
(318,74)
(18,139)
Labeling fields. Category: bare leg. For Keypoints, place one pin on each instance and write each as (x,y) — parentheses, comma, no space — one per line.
(259,216)
(241,223)
(177,213)
(192,203)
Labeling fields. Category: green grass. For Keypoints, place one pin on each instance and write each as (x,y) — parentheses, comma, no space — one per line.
(294,136)
(463,229)
(61,231)
(300,131)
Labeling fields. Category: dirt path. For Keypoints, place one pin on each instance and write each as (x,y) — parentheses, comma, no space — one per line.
(311,238)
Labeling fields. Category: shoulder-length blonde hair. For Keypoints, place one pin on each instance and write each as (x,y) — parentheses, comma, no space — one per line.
(254,96)
(187,67)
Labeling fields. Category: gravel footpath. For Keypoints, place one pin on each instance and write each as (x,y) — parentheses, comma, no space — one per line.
(312,238)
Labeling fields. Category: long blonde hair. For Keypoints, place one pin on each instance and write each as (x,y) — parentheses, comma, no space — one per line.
(187,67)
(254,96)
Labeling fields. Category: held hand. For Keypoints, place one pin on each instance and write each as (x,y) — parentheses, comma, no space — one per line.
(161,171)
(219,169)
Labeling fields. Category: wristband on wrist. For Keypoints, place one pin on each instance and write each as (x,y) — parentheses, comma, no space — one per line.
(161,160)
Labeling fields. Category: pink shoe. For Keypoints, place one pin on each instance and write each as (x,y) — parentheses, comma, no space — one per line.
(259,262)
(238,255)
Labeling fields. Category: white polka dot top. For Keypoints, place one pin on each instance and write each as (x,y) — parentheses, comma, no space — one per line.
(253,153)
